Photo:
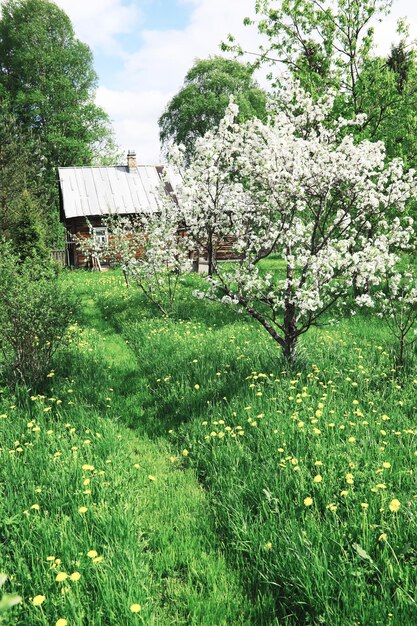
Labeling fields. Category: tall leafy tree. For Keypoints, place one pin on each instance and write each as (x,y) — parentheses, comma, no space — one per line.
(200,104)
(48,77)
(324,44)
(50,81)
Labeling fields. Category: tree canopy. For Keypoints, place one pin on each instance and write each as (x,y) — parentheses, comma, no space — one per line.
(200,104)
(48,77)
(48,83)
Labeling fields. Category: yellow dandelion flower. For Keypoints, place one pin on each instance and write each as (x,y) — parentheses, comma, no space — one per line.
(150,477)
(98,559)
(61,622)
(308,501)
(344,492)
(82,509)
(383,537)
(197,387)
(75,576)
(61,576)
(268,546)
(349,479)
(135,608)
(185,452)
(35,507)
(318,478)
(365,506)
(88,467)
(38,600)
(386,465)
(394,505)
(92,554)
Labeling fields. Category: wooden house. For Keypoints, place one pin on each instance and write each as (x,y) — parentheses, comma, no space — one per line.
(89,194)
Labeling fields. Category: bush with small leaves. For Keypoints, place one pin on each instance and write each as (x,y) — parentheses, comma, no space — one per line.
(34,315)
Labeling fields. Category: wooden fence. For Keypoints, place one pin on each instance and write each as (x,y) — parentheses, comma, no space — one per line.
(60,256)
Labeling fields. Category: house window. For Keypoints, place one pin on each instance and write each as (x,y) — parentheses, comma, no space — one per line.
(101,235)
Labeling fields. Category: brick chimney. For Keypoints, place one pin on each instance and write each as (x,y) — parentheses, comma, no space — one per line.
(131,161)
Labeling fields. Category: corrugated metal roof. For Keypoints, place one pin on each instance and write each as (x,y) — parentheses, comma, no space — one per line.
(88,191)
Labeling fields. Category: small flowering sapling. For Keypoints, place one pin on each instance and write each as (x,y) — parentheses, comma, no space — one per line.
(310,194)
(124,243)
(151,251)
(164,257)
(397,306)
(150,248)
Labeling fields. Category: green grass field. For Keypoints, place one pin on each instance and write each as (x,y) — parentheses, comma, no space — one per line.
(177,472)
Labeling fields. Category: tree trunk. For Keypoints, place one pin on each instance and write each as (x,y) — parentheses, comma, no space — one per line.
(211,255)
(290,332)
(402,348)
(290,318)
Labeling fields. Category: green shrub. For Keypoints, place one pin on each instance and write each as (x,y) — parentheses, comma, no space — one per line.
(34,315)
(28,230)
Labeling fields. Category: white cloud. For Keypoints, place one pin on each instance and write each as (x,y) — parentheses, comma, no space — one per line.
(166,56)
(100,22)
(135,120)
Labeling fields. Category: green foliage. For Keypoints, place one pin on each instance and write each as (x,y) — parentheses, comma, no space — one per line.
(20,167)
(50,80)
(34,315)
(323,44)
(387,93)
(200,104)
(28,231)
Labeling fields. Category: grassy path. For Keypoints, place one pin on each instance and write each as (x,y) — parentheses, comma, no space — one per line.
(95,519)
(187,569)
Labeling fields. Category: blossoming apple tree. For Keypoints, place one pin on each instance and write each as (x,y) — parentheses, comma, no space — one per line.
(300,187)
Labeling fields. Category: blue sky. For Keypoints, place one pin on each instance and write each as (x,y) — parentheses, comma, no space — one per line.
(143,49)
